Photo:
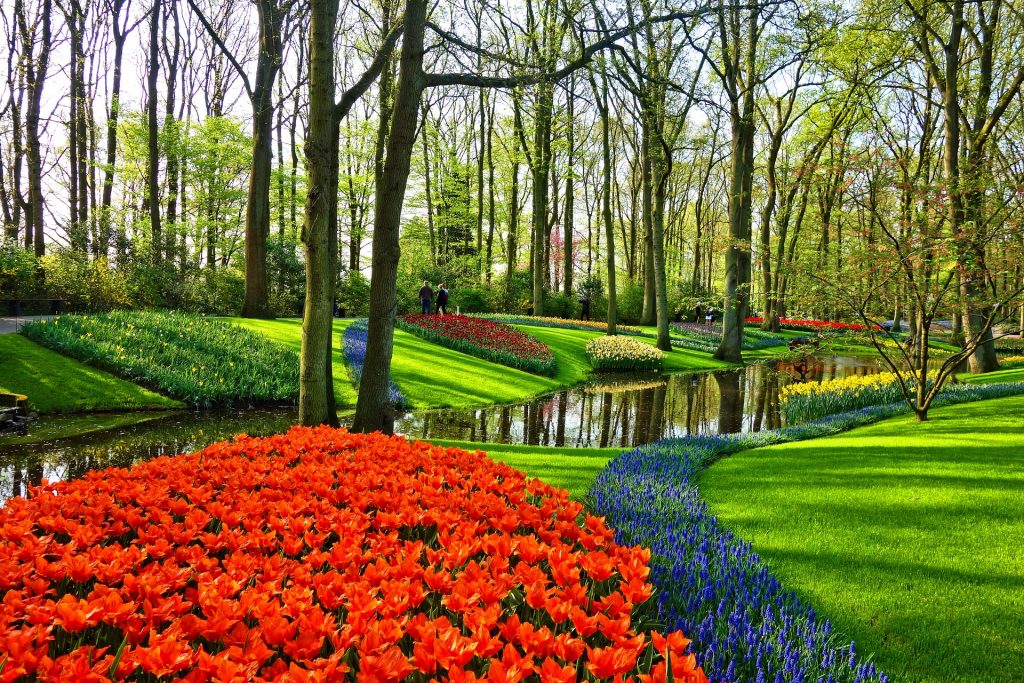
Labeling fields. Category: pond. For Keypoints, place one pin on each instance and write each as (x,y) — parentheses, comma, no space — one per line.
(610,410)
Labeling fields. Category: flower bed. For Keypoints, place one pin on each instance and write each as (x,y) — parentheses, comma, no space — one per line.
(188,357)
(706,338)
(811,325)
(321,555)
(812,400)
(1010,346)
(353,343)
(564,323)
(482,338)
(623,353)
(745,625)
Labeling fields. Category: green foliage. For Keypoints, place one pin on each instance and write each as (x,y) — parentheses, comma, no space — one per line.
(560,305)
(630,301)
(17,269)
(354,293)
(86,284)
(200,361)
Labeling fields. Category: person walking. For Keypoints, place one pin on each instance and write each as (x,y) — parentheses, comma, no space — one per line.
(426,298)
(709,316)
(442,299)
(585,303)
(698,312)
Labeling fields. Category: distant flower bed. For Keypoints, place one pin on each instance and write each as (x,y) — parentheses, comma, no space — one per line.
(623,353)
(745,625)
(201,361)
(812,400)
(811,325)
(1012,361)
(322,555)
(1011,346)
(493,341)
(564,323)
(706,338)
(354,345)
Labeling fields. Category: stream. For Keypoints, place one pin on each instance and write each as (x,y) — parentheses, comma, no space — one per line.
(610,410)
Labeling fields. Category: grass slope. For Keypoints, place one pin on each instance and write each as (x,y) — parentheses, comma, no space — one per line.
(56,384)
(1008,375)
(906,535)
(568,468)
(432,376)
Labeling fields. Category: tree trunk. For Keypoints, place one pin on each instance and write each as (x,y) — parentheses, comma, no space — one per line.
(257,208)
(570,207)
(541,170)
(373,409)
(315,394)
(153,166)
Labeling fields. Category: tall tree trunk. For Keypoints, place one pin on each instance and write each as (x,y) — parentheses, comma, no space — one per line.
(315,393)
(373,409)
(541,171)
(606,198)
(570,209)
(113,112)
(35,80)
(153,166)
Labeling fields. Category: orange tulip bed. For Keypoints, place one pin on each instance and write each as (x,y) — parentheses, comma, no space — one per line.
(322,555)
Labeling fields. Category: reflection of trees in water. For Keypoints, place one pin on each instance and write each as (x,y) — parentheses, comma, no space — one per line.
(22,467)
(599,415)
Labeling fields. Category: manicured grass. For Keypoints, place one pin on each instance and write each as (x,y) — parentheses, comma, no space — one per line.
(431,376)
(907,536)
(573,469)
(288,331)
(427,374)
(1008,375)
(57,384)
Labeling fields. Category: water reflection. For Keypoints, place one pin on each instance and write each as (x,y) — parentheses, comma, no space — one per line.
(613,410)
(24,466)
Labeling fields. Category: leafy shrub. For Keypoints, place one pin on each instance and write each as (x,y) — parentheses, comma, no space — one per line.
(471,300)
(17,270)
(482,338)
(354,293)
(200,361)
(85,284)
(630,301)
(328,555)
(560,305)
(623,353)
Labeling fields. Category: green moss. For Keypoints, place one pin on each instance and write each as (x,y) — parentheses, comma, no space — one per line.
(905,535)
(56,384)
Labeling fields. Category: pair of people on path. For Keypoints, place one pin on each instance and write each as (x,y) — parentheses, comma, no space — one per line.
(707,313)
(427,297)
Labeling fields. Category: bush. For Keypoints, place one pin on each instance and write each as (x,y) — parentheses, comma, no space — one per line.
(630,301)
(17,270)
(200,361)
(328,555)
(354,293)
(471,300)
(623,353)
(560,305)
(482,338)
(85,284)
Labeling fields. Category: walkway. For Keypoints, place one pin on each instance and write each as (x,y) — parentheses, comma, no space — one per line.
(10,325)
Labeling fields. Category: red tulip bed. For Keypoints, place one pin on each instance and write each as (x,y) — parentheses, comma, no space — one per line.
(493,341)
(810,325)
(320,555)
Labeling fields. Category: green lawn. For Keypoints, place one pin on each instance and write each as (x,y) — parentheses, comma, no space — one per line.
(432,376)
(1008,375)
(568,468)
(57,384)
(907,536)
